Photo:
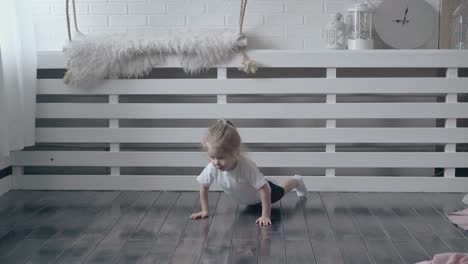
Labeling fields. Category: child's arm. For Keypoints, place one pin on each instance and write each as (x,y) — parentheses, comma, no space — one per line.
(204,203)
(265,196)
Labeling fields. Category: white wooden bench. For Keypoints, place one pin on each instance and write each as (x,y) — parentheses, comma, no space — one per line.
(328,147)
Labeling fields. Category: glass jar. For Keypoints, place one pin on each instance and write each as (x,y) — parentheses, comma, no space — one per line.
(459,26)
(335,32)
(360,27)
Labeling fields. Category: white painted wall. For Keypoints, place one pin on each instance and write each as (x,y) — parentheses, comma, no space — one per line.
(4,162)
(269,24)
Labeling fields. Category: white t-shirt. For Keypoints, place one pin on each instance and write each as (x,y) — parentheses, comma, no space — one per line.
(242,183)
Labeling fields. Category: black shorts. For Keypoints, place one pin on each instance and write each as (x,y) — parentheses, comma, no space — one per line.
(277,192)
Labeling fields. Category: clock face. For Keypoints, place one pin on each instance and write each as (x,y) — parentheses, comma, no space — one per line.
(405,24)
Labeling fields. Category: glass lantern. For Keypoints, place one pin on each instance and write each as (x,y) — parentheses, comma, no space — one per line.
(459,26)
(359,19)
(335,32)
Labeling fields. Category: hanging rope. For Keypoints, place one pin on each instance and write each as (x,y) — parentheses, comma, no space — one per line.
(66,78)
(248,66)
(242,14)
(68,18)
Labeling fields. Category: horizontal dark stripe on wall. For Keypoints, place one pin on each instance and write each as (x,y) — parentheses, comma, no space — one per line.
(5,172)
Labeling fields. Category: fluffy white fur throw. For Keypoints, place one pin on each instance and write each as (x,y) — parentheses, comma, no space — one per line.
(96,57)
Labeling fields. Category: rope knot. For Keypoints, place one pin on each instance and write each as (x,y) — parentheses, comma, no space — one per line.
(249,66)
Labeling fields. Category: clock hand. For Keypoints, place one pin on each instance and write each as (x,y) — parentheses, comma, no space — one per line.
(404,18)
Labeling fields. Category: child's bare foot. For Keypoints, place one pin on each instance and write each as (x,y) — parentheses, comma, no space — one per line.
(301,189)
(199,215)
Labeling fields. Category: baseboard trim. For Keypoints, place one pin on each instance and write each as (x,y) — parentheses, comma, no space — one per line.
(189,183)
(5,172)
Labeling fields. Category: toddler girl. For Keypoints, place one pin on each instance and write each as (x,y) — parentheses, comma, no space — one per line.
(237,175)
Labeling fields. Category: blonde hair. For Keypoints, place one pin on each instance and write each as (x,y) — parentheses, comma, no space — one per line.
(223,136)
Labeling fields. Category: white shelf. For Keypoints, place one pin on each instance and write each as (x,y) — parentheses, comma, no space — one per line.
(325,59)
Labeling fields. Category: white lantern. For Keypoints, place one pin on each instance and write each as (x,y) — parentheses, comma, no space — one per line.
(360,27)
(459,26)
(335,32)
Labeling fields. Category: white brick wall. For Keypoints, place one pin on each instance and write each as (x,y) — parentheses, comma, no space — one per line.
(269,24)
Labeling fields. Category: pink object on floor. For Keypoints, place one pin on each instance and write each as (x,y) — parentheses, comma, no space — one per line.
(448,258)
(459,218)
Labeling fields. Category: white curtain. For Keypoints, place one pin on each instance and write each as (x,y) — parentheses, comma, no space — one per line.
(17,76)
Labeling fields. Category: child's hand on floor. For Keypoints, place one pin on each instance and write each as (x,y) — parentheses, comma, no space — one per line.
(263,221)
(199,215)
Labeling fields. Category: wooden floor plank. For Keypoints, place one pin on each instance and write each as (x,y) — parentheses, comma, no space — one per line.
(47,221)
(154,227)
(172,229)
(445,202)
(64,228)
(296,242)
(244,251)
(218,242)
(106,217)
(133,251)
(129,220)
(441,230)
(198,229)
(320,231)
(405,214)
(244,247)
(178,218)
(411,252)
(246,227)
(124,229)
(125,220)
(51,249)
(188,251)
(23,251)
(436,221)
(350,242)
(19,221)
(364,220)
(457,244)
(149,227)
(160,252)
(354,250)
(299,252)
(432,244)
(294,221)
(271,248)
(339,215)
(384,252)
(387,219)
(191,244)
(16,200)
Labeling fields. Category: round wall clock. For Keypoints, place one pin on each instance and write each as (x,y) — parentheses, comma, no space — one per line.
(405,24)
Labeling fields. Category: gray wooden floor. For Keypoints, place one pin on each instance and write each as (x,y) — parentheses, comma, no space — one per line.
(154,227)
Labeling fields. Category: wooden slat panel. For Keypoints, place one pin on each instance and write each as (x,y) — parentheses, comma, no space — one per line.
(188,182)
(255,135)
(325,58)
(263,159)
(251,110)
(261,86)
